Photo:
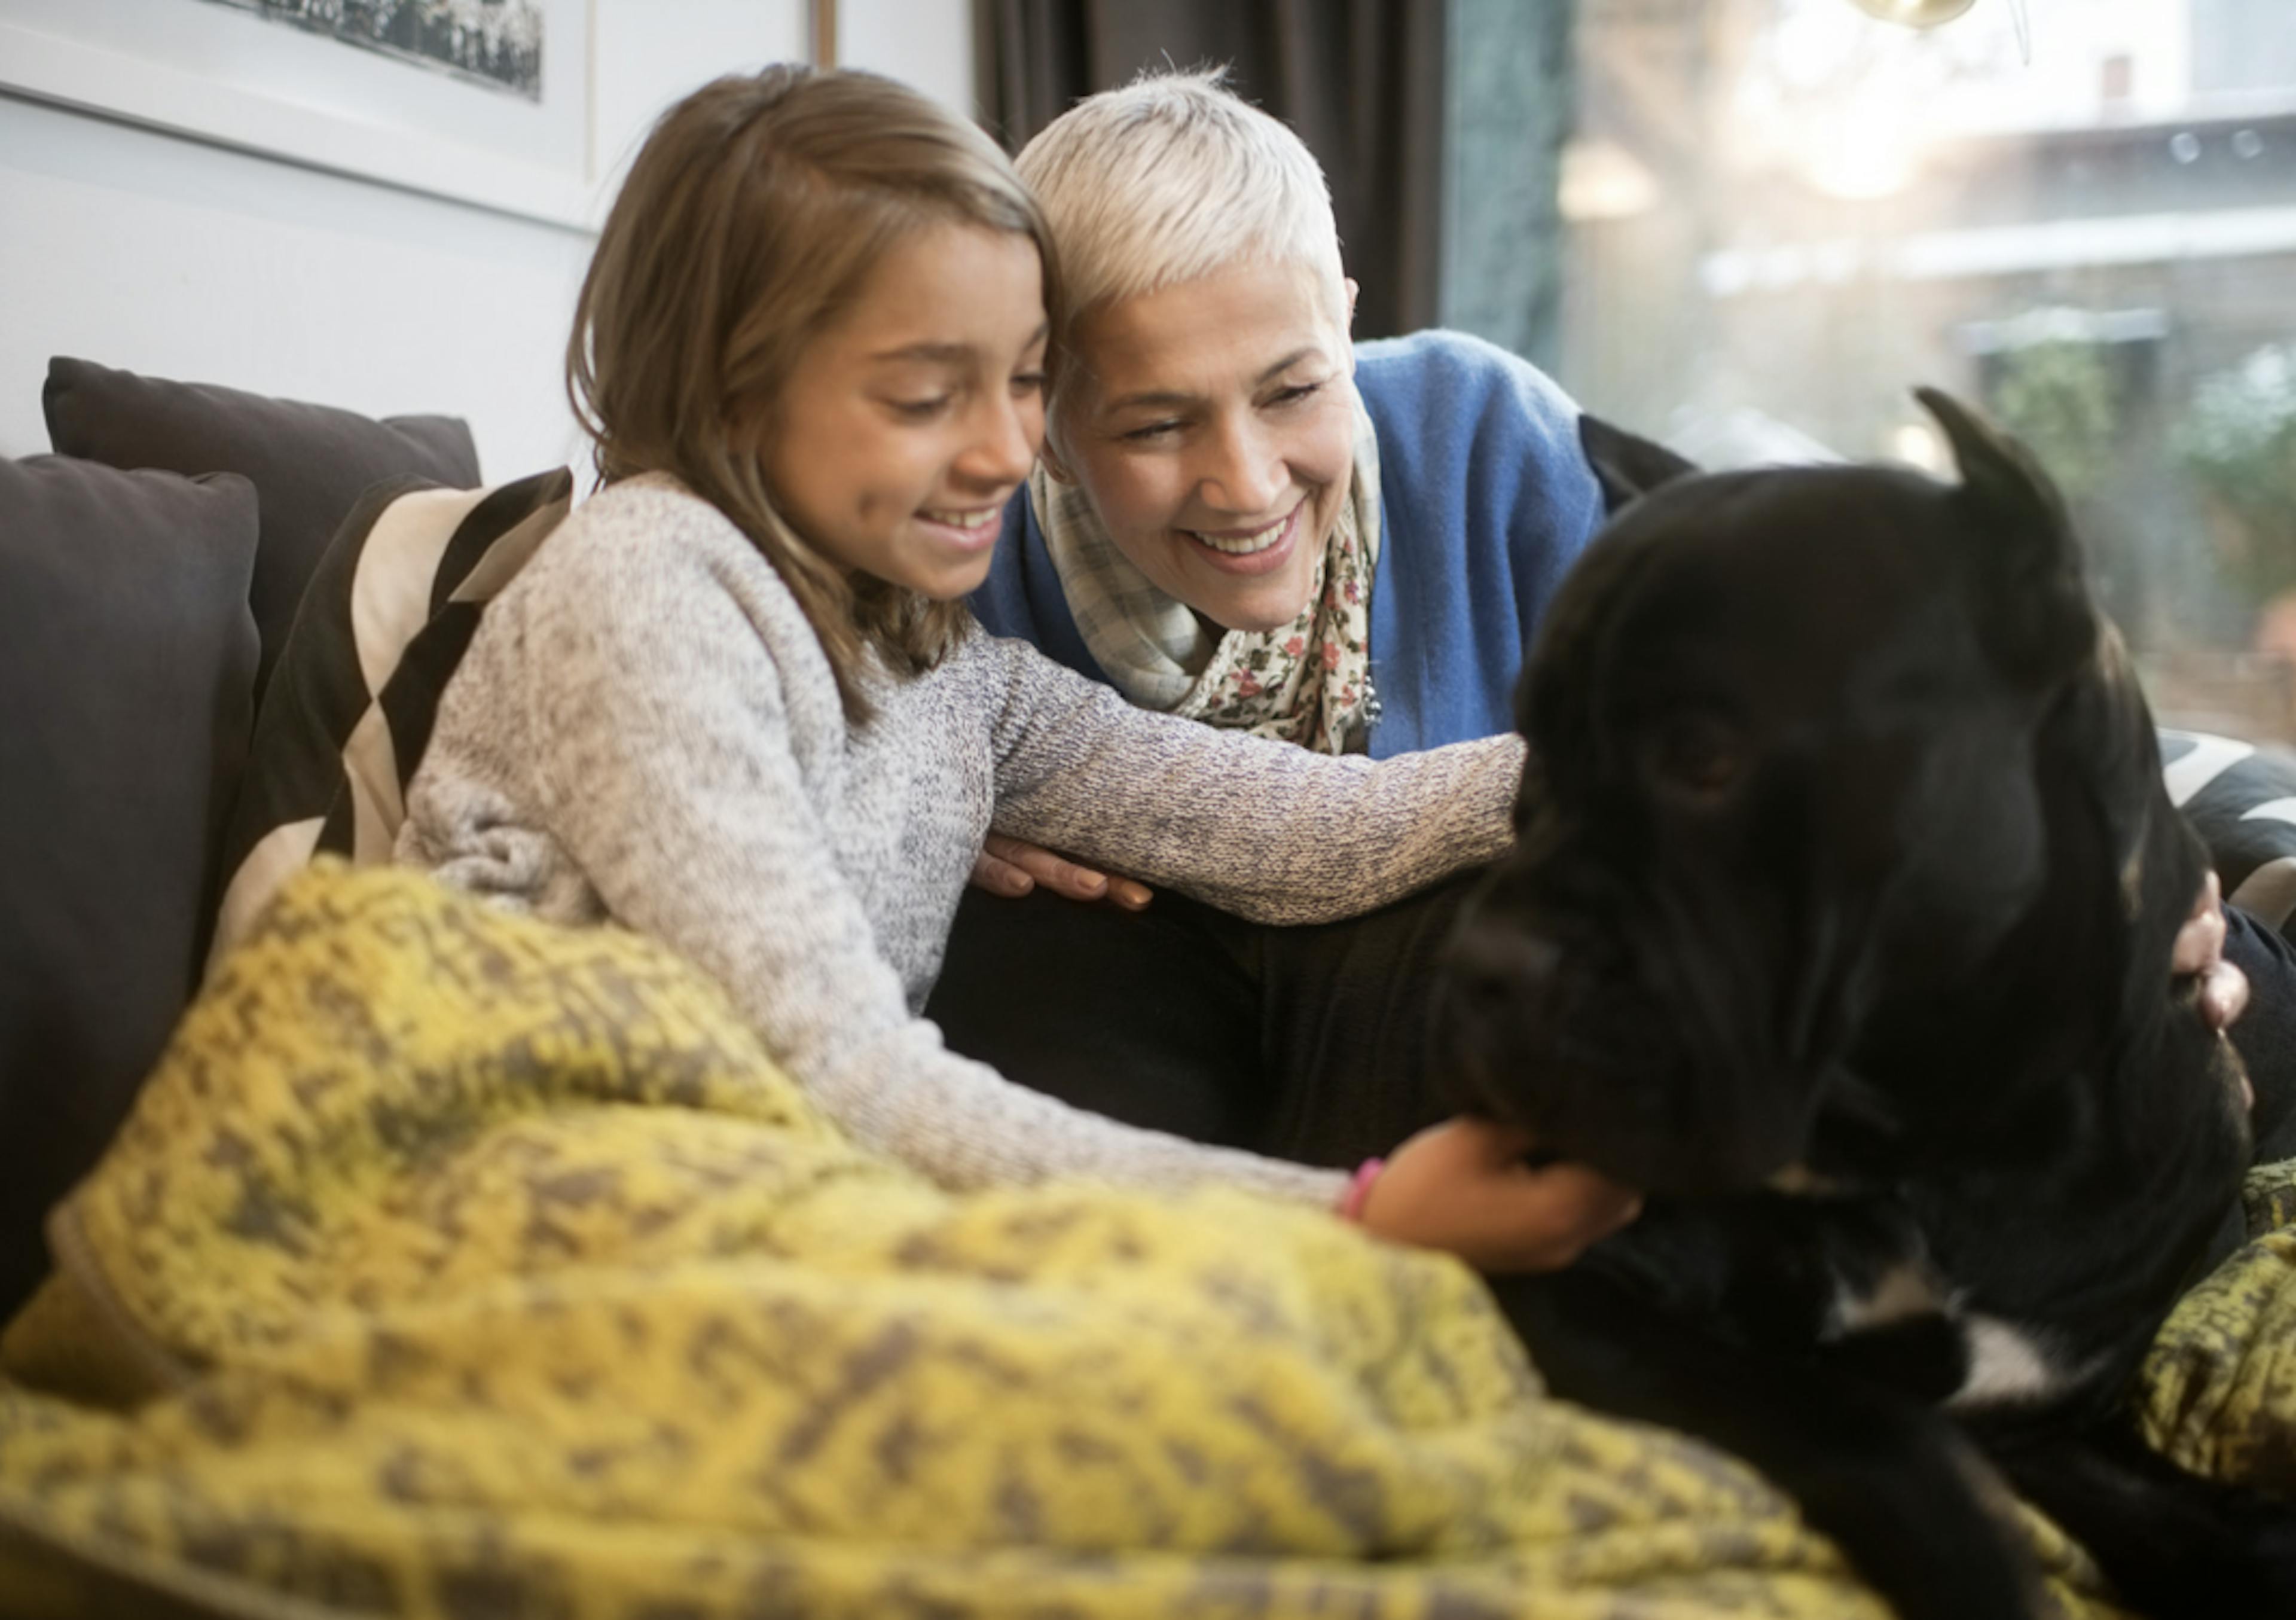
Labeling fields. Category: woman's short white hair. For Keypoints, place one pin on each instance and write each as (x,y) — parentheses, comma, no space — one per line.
(1173,178)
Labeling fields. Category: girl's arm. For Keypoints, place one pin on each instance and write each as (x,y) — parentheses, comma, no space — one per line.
(1266,829)
(664,741)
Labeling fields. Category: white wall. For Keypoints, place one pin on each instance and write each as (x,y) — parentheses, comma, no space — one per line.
(927,43)
(164,255)
(646,53)
(176,260)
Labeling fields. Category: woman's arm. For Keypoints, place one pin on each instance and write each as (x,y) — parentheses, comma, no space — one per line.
(1266,829)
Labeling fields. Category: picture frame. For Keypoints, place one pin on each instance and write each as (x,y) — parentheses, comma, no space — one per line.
(236,73)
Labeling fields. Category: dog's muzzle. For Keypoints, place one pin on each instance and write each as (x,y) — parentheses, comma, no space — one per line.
(1559,1027)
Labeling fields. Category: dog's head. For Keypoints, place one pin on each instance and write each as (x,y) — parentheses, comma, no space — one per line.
(1841,811)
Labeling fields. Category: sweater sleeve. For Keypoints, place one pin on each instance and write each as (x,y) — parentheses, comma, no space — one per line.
(1488,501)
(1268,830)
(666,770)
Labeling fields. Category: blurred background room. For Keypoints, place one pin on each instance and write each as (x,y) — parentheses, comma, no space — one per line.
(1748,227)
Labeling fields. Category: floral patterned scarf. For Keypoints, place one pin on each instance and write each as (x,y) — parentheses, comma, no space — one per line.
(1308,683)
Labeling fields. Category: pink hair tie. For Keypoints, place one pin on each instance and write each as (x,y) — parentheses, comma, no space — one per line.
(1359,1192)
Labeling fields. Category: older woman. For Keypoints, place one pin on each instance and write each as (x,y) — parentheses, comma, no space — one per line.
(1243,517)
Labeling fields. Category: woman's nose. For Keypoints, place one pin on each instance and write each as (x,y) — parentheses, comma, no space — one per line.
(1243,474)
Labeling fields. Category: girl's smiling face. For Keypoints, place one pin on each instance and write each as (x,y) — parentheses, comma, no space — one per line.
(905,428)
(1211,425)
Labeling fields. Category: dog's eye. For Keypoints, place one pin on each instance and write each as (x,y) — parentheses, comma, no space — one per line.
(1701,755)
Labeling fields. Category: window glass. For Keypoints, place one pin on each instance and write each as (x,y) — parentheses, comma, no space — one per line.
(1783,214)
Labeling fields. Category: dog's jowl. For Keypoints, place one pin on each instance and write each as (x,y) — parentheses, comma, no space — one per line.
(1840,920)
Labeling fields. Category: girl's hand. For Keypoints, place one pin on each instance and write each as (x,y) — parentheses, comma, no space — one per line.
(2198,951)
(1007,866)
(1463,1185)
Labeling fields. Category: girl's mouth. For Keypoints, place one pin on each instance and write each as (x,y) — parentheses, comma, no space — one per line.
(969,527)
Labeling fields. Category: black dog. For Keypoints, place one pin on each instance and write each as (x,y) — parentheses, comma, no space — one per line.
(1841,921)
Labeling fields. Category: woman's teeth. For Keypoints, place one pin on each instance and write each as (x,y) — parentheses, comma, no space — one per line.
(1244,544)
(966,520)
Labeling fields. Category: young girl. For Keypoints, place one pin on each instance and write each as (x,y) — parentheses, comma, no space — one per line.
(734,702)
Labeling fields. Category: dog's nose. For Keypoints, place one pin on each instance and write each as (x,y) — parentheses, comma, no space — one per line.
(1494,968)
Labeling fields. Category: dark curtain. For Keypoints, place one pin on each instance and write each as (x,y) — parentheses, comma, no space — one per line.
(1360,80)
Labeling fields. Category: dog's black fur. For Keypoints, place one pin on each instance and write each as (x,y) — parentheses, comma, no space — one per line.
(1840,920)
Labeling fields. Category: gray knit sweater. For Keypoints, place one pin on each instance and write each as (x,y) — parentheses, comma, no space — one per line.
(646,729)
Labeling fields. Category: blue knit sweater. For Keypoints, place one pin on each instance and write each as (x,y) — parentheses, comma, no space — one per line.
(1485,500)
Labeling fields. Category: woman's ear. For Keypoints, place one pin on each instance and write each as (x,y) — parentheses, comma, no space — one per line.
(1349,281)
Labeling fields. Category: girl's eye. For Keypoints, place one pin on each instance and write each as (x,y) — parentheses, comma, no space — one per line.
(1028,383)
(921,410)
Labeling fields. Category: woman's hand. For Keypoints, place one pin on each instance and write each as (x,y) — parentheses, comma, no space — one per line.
(1007,866)
(2198,952)
(1463,1185)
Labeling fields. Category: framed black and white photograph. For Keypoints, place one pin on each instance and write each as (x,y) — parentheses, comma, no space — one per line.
(483,101)
(494,44)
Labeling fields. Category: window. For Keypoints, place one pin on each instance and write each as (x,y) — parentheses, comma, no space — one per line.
(1783,214)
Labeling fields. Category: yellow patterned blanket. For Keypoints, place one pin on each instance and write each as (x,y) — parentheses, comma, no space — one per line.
(452,1264)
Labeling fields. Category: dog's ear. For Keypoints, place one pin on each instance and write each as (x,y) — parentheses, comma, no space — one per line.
(2036,612)
(1626,464)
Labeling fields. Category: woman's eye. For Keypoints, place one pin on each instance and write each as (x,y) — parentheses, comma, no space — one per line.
(1295,393)
(1149,431)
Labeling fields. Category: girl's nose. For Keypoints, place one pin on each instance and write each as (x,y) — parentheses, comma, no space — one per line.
(1008,432)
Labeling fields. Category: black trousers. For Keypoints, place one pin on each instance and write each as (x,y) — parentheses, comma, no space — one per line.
(1314,1044)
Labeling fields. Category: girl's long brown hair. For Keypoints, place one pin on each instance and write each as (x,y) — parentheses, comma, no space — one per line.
(749,221)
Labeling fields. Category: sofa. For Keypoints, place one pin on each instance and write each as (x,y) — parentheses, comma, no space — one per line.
(186,561)
(150,574)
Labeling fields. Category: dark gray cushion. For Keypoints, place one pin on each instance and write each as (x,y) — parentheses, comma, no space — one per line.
(308,463)
(126,666)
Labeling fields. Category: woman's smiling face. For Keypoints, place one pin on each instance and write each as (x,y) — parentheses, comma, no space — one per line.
(905,428)
(1211,425)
